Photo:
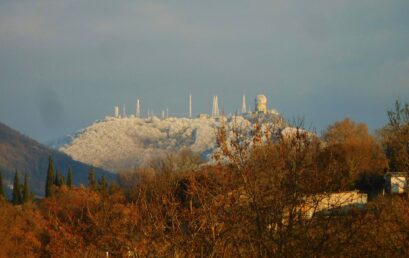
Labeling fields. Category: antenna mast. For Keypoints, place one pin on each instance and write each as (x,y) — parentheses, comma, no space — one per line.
(138,108)
(116,111)
(123,110)
(190,106)
(243,105)
(215,108)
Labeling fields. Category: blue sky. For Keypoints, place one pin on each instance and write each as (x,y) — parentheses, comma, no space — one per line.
(66,63)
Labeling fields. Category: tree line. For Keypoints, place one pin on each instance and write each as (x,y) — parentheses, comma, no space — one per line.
(21,192)
(252,202)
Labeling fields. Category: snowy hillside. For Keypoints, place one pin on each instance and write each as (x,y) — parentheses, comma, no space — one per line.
(120,143)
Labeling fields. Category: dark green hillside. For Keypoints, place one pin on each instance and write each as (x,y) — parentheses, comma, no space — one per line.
(20,152)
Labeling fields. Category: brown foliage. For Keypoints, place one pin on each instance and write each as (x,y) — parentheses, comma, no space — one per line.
(263,199)
(21,230)
(395,138)
(86,223)
(353,151)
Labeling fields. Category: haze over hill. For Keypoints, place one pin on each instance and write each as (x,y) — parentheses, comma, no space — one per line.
(21,153)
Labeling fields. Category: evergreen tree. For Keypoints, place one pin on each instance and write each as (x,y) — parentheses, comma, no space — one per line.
(1,187)
(92,183)
(16,190)
(103,185)
(26,192)
(69,178)
(57,178)
(50,178)
(62,180)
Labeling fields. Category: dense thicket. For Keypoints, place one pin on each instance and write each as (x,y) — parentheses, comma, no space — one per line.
(261,198)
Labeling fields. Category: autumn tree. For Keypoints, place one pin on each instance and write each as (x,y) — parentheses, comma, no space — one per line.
(276,182)
(50,178)
(271,198)
(16,198)
(85,223)
(395,137)
(181,161)
(22,231)
(354,153)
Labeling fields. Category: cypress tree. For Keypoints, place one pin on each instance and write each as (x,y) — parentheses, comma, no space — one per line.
(57,178)
(26,192)
(91,179)
(50,178)
(69,178)
(62,180)
(103,185)
(1,186)
(16,190)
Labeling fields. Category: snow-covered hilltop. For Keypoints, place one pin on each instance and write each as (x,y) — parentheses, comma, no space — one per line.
(121,143)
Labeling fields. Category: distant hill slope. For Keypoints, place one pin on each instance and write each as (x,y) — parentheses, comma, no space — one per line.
(20,152)
(122,143)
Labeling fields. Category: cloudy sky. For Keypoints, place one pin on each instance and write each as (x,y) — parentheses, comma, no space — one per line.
(66,63)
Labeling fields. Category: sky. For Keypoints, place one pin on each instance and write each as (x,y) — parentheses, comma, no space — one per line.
(66,63)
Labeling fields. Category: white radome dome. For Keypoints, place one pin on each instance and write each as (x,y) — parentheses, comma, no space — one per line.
(261,99)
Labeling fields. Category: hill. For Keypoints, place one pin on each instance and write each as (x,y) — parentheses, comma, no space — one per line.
(27,156)
(122,143)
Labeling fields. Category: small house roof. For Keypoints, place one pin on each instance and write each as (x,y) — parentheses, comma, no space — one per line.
(396,174)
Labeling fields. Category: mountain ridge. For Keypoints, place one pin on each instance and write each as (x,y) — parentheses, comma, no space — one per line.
(27,156)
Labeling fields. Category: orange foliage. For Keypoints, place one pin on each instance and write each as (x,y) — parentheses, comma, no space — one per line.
(21,230)
(246,206)
(85,222)
(352,150)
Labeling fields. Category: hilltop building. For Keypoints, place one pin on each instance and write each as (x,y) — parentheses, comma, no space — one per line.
(260,108)
(261,104)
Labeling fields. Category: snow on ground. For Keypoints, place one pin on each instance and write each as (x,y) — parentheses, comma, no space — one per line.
(121,143)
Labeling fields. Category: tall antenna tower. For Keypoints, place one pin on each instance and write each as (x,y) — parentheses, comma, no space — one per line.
(190,106)
(243,105)
(123,110)
(138,108)
(116,111)
(215,107)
